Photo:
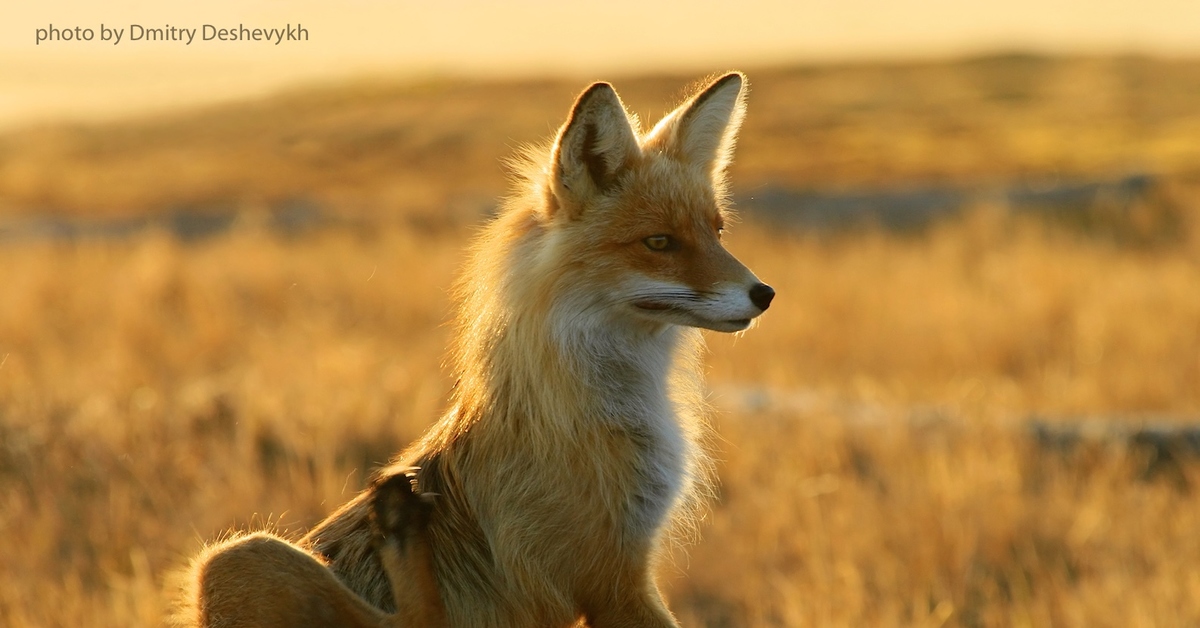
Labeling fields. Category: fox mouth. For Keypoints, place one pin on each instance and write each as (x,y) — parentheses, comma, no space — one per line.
(729,326)
(733,324)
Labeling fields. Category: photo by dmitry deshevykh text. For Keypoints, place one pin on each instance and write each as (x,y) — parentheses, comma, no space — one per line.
(169,33)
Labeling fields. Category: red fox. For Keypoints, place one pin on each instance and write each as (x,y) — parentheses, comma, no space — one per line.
(572,447)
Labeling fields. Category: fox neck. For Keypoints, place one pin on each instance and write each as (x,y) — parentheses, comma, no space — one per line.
(629,370)
(568,363)
(537,337)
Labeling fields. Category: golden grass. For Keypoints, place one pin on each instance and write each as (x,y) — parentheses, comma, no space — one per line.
(155,394)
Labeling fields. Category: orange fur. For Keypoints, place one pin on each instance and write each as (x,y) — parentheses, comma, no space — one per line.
(259,580)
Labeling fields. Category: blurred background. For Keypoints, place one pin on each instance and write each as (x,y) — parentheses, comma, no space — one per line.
(975,402)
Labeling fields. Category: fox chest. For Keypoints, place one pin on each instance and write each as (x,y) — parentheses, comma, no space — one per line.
(619,480)
(568,487)
(655,460)
(611,494)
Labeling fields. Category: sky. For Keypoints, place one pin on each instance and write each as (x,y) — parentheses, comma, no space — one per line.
(58,79)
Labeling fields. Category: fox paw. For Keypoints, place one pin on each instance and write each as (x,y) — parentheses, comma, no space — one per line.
(399,510)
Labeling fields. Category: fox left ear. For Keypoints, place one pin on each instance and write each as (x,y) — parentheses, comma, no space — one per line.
(595,145)
(703,130)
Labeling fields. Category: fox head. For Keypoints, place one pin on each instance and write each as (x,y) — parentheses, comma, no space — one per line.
(639,217)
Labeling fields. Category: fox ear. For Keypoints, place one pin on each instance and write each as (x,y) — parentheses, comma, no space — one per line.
(702,131)
(594,146)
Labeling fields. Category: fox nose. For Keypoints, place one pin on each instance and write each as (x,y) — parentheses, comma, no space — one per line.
(761,295)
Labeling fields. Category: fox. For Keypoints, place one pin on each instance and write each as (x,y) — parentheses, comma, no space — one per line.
(260,580)
(573,450)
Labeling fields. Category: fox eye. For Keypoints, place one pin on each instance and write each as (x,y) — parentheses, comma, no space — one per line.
(660,243)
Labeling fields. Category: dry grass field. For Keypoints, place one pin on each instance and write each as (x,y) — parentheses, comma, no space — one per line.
(877,463)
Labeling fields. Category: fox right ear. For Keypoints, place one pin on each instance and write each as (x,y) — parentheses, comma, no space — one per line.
(702,131)
(594,146)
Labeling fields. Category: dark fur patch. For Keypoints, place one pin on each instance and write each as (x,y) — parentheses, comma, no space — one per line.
(398,510)
(594,160)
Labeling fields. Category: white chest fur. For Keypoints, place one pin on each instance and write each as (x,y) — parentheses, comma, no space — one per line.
(628,377)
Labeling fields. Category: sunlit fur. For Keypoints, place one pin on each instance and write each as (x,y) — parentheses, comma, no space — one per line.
(260,580)
(572,449)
